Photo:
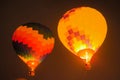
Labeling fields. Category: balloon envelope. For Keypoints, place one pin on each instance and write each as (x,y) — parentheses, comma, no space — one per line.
(82,31)
(32,43)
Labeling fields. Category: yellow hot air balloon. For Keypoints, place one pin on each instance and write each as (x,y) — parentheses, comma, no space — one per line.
(82,31)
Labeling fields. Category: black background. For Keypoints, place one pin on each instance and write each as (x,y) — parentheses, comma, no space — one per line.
(60,64)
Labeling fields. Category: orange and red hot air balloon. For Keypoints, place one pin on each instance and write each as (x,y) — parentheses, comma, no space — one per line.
(82,31)
(32,43)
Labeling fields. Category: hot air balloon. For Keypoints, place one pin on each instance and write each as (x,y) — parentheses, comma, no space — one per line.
(32,43)
(82,31)
(21,79)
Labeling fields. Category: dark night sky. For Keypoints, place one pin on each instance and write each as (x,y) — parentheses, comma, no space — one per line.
(60,64)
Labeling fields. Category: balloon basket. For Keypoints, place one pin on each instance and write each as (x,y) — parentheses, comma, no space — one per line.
(31,73)
(87,66)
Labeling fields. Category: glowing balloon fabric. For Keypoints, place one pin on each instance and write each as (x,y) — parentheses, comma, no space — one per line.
(82,31)
(32,42)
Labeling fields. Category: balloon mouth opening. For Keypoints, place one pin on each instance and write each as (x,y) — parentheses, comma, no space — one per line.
(32,64)
(86,55)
